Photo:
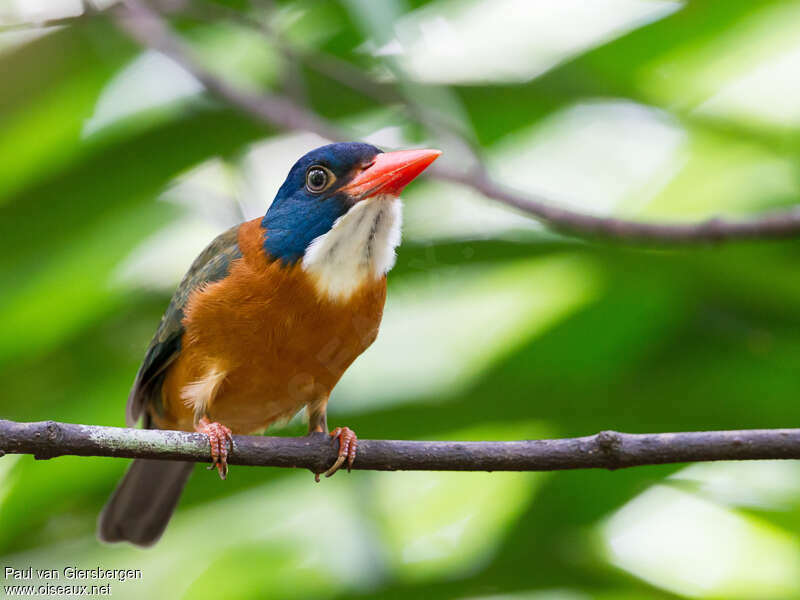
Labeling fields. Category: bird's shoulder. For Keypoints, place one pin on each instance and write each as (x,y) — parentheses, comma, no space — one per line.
(212,264)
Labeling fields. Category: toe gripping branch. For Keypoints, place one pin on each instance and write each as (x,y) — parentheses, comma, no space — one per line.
(219,437)
(348,444)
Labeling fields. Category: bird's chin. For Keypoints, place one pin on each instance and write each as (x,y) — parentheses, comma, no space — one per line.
(358,248)
(372,199)
(388,198)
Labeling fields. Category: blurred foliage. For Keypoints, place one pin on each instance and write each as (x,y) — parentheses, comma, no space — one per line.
(115,170)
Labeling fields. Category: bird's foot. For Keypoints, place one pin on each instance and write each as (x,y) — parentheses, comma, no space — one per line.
(219,437)
(348,443)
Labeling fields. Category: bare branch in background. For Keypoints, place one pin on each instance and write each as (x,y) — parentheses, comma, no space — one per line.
(776,224)
(331,66)
(146,26)
(606,450)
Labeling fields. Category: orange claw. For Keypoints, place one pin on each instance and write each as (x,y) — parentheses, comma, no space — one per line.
(219,437)
(348,443)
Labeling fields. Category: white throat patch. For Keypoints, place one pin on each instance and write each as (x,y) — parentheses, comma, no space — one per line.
(359,247)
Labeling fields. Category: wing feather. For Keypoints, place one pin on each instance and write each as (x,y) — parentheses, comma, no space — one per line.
(211,265)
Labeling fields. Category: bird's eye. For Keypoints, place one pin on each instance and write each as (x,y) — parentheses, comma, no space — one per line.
(318,178)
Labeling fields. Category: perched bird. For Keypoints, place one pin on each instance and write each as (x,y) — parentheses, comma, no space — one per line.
(267,320)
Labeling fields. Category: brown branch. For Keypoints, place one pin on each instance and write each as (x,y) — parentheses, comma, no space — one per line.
(775,224)
(606,450)
(146,26)
(333,67)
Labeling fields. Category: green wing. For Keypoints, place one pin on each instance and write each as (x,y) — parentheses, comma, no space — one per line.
(213,264)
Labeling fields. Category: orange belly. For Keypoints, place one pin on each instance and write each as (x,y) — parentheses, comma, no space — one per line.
(277,346)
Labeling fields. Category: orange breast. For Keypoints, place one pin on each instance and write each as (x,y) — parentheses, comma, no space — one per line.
(279,345)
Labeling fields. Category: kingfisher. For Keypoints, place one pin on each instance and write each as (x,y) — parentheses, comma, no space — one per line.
(265,322)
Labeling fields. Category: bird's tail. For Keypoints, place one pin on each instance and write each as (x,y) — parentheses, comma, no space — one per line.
(141,506)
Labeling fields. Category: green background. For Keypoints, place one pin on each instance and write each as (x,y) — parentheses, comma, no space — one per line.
(495,328)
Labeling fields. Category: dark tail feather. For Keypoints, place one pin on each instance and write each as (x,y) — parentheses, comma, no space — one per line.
(141,506)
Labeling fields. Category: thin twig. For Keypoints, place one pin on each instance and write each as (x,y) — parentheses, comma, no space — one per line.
(775,224)
(332,67)
(145,25)
(606,450)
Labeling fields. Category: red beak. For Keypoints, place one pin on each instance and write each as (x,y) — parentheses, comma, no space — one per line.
(389,173)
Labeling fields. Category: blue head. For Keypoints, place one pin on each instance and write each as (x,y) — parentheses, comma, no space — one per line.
(311,199)
(325,184)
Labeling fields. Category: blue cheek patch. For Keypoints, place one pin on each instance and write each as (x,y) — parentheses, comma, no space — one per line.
(297,216)
(292,223)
